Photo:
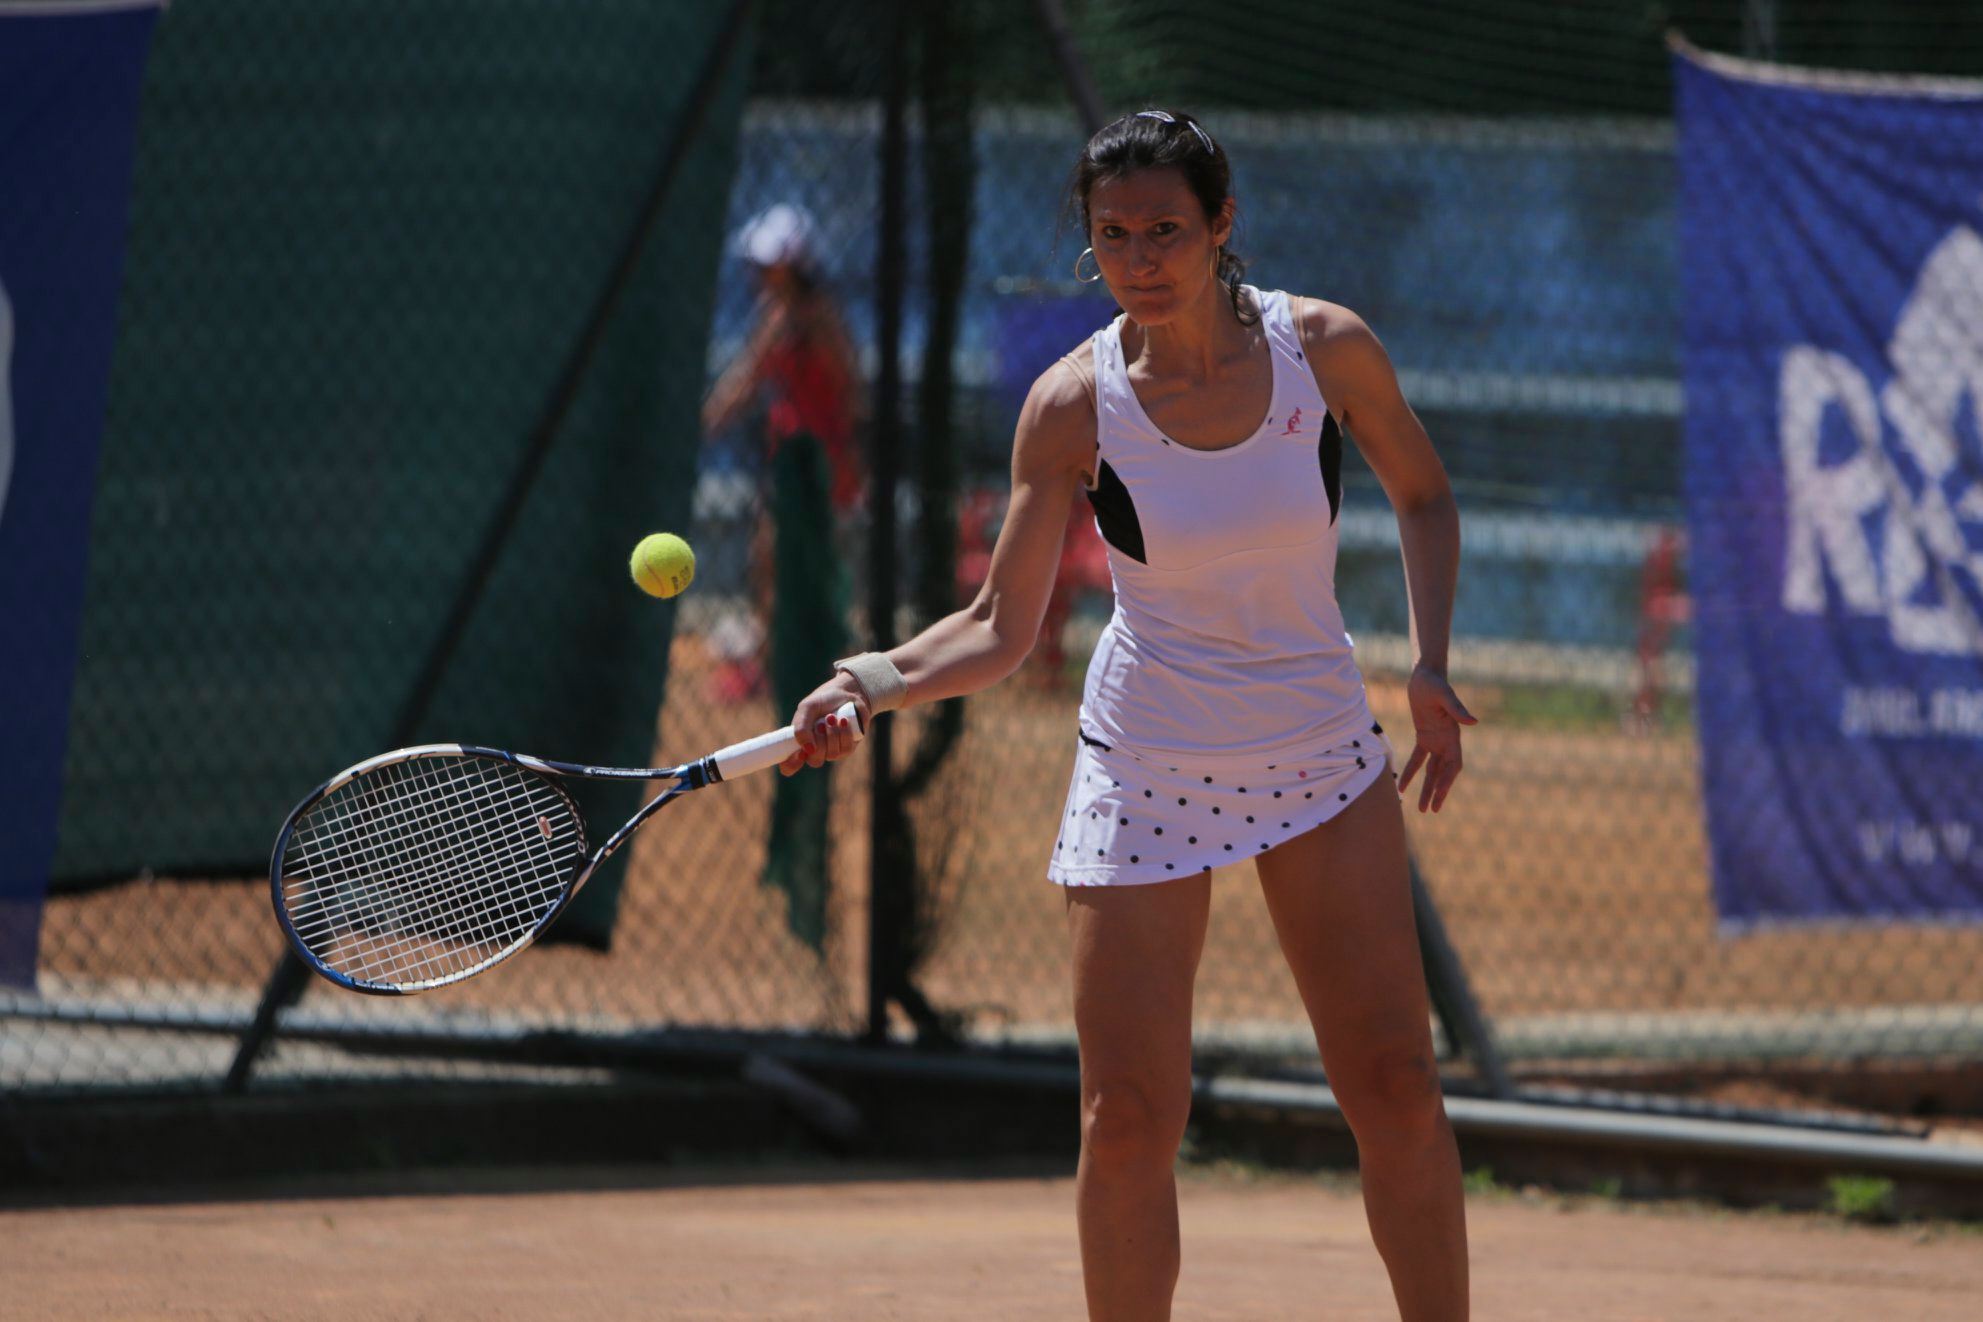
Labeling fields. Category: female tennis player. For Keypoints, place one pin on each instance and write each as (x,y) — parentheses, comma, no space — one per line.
(1223,715)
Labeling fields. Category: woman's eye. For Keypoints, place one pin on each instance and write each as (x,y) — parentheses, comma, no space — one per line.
(1113,231)
(1164,228)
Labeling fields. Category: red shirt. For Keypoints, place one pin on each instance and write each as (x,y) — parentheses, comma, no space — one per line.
(810,393)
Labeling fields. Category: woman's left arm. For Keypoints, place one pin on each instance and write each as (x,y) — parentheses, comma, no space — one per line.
(1356,378)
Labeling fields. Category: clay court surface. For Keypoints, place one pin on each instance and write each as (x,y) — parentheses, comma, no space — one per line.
(880,1245)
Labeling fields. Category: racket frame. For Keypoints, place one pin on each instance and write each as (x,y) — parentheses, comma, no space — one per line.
(729,763)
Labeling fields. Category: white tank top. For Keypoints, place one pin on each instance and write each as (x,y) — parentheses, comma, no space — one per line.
(1226,644)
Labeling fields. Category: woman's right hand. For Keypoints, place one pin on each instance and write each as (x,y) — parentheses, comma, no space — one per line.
(824,737)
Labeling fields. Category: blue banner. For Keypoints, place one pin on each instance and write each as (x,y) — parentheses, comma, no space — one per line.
(1831,245)
(69,81)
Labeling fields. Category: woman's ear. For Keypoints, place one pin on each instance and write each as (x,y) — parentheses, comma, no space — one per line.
(1222,223)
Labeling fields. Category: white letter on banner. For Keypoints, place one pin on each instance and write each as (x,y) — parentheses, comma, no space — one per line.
(1827,503)
(1937,356)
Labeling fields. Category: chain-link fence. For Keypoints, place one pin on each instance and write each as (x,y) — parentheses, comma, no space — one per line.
(1493,188)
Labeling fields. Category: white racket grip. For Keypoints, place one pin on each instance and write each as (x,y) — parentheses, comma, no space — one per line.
(768,750)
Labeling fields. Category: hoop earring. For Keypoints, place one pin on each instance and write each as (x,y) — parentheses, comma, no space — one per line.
(1087,279)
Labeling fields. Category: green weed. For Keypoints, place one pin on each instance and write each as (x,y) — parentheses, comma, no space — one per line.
(1867,1198)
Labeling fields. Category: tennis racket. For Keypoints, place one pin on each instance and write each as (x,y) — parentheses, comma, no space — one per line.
(424,866)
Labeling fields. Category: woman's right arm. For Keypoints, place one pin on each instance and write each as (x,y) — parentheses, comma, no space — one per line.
(975,647)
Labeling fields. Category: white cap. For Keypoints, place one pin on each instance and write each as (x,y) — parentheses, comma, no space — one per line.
(781,234)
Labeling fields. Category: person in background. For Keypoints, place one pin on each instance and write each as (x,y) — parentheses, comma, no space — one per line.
(798,363)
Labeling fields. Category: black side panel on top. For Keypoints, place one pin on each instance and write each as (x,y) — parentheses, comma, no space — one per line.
(1115,513)
(1330,451)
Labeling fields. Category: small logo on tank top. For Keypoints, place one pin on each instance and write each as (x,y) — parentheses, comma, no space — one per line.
(1294,424)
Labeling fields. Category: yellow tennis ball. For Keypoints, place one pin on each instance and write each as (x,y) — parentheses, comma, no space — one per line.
(663,565)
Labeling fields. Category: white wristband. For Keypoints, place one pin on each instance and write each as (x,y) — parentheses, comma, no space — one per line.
(878,679)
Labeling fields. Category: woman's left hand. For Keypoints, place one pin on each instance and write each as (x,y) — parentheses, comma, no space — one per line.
(1438,714)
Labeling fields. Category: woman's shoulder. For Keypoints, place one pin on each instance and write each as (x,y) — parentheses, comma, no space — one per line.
(1058,419)
(1065,392)
(1322,322)
(1343,352)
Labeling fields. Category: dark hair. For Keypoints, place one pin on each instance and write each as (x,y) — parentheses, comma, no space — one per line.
(1156,139)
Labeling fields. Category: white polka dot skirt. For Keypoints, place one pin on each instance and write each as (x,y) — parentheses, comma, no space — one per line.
(1130,821)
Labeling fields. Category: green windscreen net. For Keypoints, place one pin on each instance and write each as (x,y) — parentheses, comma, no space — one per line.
(366,238)
(808,633)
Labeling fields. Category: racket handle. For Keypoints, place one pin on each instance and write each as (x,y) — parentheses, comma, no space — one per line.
(768,750)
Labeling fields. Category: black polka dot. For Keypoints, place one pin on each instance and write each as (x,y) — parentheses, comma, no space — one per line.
(1270,766)
(1359,764)
(1242,789)
(1116,783)
(1277,794)
(1125,821)
(1263,844)
(1180,803)
(1215,812)
(1146,794)
(1093,815)
(1344,797)
(1208,780)
(1309,795)
(1170,867)
(1160,830)
(1228,848)
(1134,859)
(1101,853)
(1356,743)
(1284,826)
(1377,729)
(1249,820)
(1192,840)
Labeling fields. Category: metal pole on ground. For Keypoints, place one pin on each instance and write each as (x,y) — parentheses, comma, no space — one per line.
(1452,996)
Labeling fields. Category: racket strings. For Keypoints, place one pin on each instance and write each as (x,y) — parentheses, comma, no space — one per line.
(389,931)
(445,865)
(424,905)
(426,869)
(421,918)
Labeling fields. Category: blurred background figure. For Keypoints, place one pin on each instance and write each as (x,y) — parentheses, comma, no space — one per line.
(798,363)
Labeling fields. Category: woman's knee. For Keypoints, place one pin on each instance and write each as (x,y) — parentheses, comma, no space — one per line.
(1126,1123)
(1390,1094)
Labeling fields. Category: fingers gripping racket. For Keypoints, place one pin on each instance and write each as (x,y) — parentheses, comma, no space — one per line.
(424,866)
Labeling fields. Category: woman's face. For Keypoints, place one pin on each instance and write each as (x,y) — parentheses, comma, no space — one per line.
(1155,247)
(777,279)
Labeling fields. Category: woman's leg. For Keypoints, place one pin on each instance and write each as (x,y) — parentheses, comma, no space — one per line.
(1135,954)
(1340,897)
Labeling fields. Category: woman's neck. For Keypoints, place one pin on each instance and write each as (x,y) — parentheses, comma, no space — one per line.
(1194,344)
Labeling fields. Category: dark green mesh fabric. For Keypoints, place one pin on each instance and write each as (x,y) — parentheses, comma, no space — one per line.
(808,633)
(365,238)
